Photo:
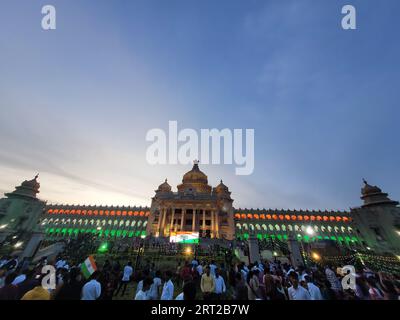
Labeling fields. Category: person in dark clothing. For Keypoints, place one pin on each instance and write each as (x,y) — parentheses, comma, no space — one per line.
(189,291)
(241,291)
(72,287)
(9,291)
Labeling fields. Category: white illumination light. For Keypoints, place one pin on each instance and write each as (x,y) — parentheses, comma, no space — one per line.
(310,231)
(18,244)
(3,226)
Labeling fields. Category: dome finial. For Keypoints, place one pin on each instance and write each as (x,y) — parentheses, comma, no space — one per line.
(196,162)
(365,181)
(37,176)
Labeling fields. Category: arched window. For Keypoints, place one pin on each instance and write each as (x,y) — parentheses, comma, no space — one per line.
(329,229)
(322,229)
(277,228)
(336,229)
(145,224)
(245,227)
(343,229)
(258,227)
(290,228)
(271,228)
(251,226)
(238,225)
(296,227)
(350,230)
(283,227)
(264,227)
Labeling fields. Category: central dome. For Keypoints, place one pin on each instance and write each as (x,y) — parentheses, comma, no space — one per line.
(194,181)
(195,175)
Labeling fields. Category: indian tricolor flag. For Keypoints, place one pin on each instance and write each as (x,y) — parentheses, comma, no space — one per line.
(88,267)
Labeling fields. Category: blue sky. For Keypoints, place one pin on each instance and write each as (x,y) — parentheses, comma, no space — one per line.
(76,103)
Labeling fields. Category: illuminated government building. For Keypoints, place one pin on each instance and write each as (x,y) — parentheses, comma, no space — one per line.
(196,207)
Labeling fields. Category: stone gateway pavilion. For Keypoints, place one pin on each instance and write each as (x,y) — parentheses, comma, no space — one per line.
(206,213)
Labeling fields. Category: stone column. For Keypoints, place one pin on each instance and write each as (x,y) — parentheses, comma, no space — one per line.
(204,222)
(216,224)
(296,258)
(194,220)
(33,245)
(183,218)
(162,231)
(159,223)
(254,249)
(212,224)
(172,225)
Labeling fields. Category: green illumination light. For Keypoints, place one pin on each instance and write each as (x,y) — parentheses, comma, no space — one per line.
(103,247)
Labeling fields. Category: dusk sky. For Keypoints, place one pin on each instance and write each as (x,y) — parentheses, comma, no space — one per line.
(76,102)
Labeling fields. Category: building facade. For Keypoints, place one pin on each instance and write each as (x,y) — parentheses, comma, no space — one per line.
(196,207)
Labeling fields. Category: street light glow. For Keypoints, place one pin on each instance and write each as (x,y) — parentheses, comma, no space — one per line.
(316,256)
(188,250)
(3,226)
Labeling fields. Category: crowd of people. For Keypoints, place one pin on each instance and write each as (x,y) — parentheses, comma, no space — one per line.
(191,280)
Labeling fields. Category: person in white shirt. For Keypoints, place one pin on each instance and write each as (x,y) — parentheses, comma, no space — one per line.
(220,287)
(155,287)
(200,269)
(314,291)
(139,287)
(126,278)
(195,263)
(213,267)
(19,279)
(92,289)
(143,294)
(180,296)
(168,289)
(297,292)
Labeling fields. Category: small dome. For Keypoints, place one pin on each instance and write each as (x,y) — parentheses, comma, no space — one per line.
(221,188)
(368,189)
(164,187)
(31,184)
